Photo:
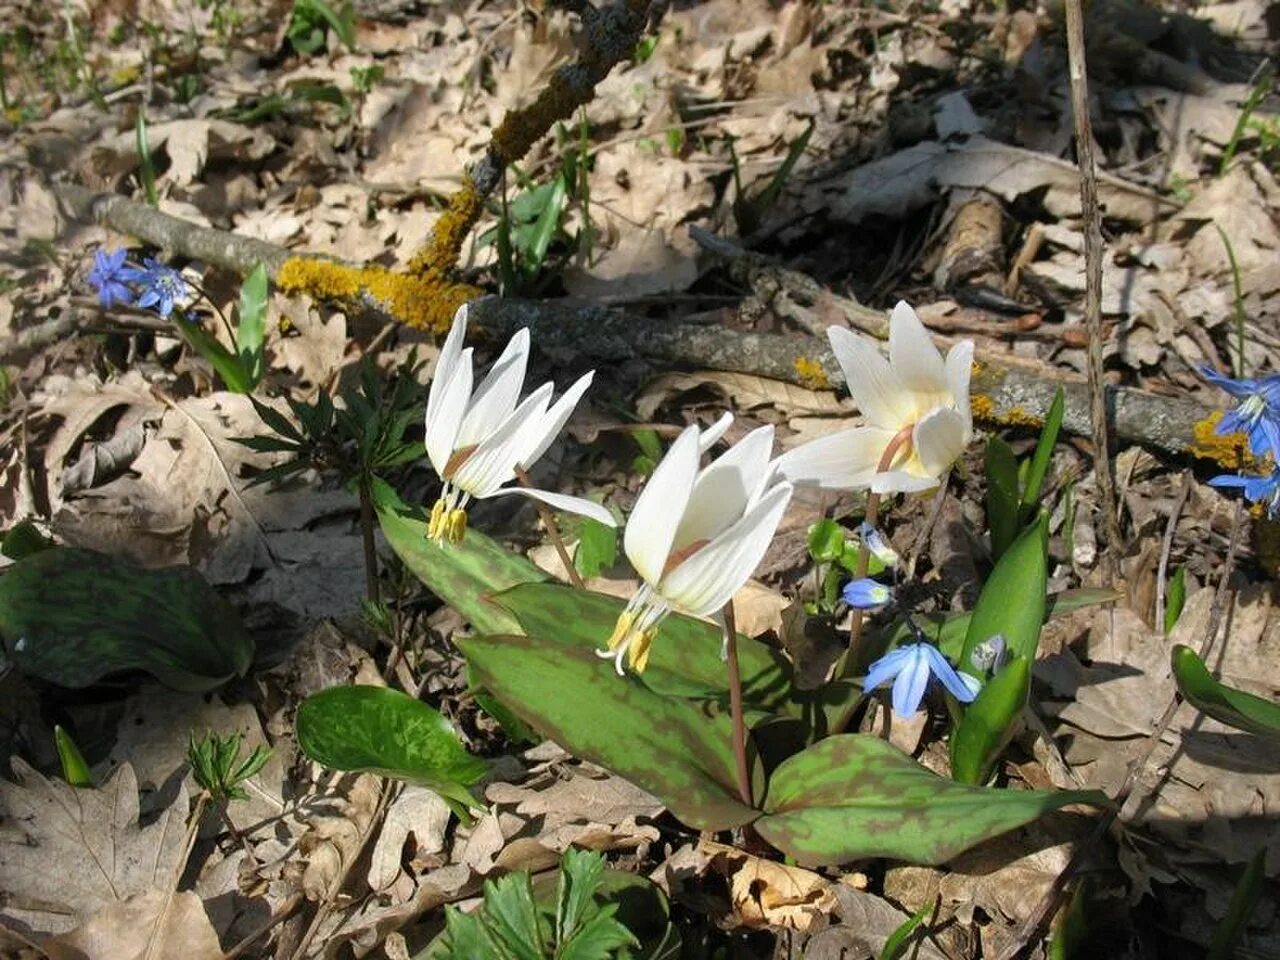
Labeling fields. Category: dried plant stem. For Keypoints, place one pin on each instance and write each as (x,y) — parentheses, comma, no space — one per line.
(553,532)
(1092,217)
(735,704)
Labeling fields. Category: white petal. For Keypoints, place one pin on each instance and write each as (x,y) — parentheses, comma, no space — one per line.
(839,461)
(493,462)
(707,439)
(939,440)
(708,580)
(447,362)
(899,481)
(651,528)
(959,367)
(495,398)
(875,387)
(723,490)
(445,418)
(915,359)
(555,418)
(562,501)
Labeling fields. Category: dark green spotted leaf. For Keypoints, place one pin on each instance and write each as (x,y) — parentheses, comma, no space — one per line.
(72,617)
(676,749)
(380,730)
(1238,709)
(685,658)
(463,575)
(853,796)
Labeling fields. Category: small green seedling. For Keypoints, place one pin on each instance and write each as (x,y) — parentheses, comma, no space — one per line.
(218,767)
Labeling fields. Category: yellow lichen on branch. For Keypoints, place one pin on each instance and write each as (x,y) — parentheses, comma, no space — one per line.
(811,374)
(426,303)
(438,258)
(1229,449)
(984,408)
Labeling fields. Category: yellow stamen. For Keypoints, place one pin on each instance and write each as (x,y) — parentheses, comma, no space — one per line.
(621,629)
(638,651)
(457,525)
(445,525)
(435,526)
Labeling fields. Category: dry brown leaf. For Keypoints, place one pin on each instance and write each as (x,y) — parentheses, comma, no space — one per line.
(417,811)
(758,609)
(333,839)
(865,923)
(746,392)
(69,852)
(643,263)
(147,926)
(769,894)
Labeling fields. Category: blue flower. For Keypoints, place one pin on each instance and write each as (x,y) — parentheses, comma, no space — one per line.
(1258,413)
(866,594)
(877,544)
(909,666)
(159,286)
(1264,490)
(108,278)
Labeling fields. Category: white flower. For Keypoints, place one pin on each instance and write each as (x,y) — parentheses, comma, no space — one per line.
(695,536)
(915,407)
(477,439)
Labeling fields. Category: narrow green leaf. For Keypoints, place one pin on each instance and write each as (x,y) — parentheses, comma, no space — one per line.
(1175,598)
(277,421)
(853,796)
(1236,708)
(1070,931)
(226,363)
(1039,464)
(1002,495)
(465,938)
(74,769)
(580,873)
(1012,602)
(1243,899)
(545,228)
(463,575)
(511,916)
(597,548)
(900,939)
(73,616)
(678,750)
(988,723)
(685,657)
(252,323)
(366,728)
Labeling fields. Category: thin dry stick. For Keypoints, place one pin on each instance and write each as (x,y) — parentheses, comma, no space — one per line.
(193,830)
(1049,904)
(1093,282)
(553,531)
(735,704)
(1166,547)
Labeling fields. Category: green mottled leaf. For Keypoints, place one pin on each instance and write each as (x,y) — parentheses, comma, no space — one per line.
(22,540)
(988,723)
(685,657)
(1002,495)
(1238,709)
(73,617)
(1012,602)
(676,749)
(377,729)
(463,575)
(853,796)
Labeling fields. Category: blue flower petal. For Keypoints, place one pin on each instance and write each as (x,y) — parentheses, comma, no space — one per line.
(908,688)
(886,667)
(947,674)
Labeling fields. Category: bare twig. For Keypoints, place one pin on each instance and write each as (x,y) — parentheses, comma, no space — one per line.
(553,531)
(1093,283)
(1166,547)
(735,704)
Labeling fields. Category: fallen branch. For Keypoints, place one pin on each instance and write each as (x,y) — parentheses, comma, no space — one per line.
(1002,395)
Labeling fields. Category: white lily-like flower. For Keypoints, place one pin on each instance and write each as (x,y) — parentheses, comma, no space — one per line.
(695,536)
(476,440)
(916,411)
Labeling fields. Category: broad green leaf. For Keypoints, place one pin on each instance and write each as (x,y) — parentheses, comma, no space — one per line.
(676,749)
(685,657)
(1039,464)
(72,617)
(597,939)
(463,575)
(377,729)
(74,769)
(597,548)
(853,796)
(988,722)
(1012,602)
(1238,709)
(1002,495)
(826,541)
(464,938)
(1175,599)
(252,322)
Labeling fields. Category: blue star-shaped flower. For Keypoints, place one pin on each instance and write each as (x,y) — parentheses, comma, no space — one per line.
(909,666)
(108,277)
(159,286)
(1264,490)
(1258,413)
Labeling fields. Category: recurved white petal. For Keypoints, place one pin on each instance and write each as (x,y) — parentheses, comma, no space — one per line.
(839,461)
(708,580)
(561,501)
(914,357)
(493,461)
(939,440)
(447,362)
(495,398)
(721,492)
(959,369)
(450,393)
(900,481)
(875,387)
(707,439)
(554,419)
(651,528)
